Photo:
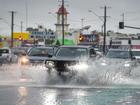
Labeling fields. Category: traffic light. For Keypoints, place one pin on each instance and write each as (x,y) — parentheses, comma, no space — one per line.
(81,38)
(121,25)
(129,41)
(20,38)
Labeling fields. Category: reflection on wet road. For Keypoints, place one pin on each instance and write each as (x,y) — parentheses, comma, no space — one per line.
(68,96)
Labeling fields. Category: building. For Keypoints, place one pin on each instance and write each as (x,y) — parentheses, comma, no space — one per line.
(40,35)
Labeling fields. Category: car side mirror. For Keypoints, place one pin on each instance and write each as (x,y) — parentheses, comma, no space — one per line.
(50,55)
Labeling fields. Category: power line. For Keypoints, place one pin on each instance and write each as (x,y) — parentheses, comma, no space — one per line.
(5,21)
(95,14)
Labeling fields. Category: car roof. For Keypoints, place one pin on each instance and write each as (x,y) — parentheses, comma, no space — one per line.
(135,50)
(76,46)
(118,49)
(42,47)
(5,48)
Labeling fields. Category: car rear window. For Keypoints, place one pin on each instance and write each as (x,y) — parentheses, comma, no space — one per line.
(71,52)
(40,51)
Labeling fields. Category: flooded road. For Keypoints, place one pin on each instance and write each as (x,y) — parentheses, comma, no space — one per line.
(68,96)
(33,85)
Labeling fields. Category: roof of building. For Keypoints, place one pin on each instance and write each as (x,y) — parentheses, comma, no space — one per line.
(61,9)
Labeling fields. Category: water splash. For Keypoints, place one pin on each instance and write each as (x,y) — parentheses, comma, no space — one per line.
(94,75)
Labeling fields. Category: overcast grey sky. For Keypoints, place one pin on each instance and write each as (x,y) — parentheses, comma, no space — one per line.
(38,13)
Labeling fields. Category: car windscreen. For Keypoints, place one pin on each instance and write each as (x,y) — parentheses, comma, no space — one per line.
(118,54)
(136,53)
(71,52)
(40,51)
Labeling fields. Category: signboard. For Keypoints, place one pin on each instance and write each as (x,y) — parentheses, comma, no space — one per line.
(38,34)
(23,35)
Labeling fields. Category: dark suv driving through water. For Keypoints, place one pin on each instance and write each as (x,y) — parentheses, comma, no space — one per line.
(68,58)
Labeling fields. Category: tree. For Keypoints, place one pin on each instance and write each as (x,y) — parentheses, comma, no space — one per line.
(58,43)
(47,41)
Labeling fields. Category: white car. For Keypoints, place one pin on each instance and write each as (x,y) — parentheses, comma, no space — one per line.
(6,56)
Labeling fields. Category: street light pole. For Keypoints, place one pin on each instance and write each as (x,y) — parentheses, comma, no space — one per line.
(63,22)
(104,42)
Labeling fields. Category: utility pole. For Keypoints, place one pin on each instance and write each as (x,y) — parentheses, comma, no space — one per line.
(104,43)
(123,17)
(12,27)
(26,7)
(63,22)
(104,40)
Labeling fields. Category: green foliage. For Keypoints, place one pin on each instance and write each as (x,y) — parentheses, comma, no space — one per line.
(58,43)
(47,41)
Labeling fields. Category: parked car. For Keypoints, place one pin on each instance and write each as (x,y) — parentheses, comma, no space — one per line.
(121,59)
(136,54)
(7,56)
(36,55)
(70,58)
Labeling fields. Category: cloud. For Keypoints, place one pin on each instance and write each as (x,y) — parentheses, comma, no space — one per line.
(78,9)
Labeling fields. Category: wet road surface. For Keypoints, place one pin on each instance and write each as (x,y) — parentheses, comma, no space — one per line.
(68,96)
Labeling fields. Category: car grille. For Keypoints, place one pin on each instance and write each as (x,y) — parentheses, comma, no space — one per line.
(62,65)
(36,61)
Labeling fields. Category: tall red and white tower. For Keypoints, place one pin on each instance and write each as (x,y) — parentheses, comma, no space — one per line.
(61,11)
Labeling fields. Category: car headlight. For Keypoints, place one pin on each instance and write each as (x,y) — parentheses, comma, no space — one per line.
(49,64)
(103,63)
(24,60)
(79,67)
(126,65)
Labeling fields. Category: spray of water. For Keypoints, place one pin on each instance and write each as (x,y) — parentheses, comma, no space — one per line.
(84,74)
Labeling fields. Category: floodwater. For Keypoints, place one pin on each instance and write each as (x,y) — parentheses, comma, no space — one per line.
(33,85)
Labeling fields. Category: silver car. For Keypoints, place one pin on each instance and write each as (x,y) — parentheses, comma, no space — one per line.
(36,55)
(121,59)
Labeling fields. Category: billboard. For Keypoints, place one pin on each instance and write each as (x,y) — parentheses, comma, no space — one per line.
(23,35)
